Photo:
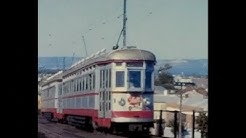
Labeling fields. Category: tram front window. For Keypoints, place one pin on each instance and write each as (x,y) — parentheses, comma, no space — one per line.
(134,79)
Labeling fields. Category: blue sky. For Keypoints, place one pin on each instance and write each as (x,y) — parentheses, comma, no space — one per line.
(171,29)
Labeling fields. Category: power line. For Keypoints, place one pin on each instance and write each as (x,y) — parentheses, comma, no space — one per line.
(103,21)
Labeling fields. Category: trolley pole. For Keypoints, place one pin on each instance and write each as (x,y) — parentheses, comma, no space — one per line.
(124,24)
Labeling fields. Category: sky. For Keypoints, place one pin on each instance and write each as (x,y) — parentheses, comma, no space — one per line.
(171,29)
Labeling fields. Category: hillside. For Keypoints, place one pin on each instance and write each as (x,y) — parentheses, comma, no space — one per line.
(187,66)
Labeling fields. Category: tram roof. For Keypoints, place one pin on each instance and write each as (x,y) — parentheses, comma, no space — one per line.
(130,54)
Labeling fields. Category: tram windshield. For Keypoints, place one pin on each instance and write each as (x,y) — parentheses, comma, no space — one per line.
(134,79)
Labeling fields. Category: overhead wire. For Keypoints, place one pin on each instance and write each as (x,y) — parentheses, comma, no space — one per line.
(93,26)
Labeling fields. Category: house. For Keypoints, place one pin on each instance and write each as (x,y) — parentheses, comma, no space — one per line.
(192,99)
(201,82)
(159,90)
(183,85)
(180,78)
(163,91)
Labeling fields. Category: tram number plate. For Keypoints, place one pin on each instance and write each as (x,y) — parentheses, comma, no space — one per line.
(133,127)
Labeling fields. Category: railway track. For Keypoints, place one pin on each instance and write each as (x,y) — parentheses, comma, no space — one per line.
(57,130)
(47,129)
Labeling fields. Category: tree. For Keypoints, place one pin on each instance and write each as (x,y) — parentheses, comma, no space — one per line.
(165,78)
(202,121)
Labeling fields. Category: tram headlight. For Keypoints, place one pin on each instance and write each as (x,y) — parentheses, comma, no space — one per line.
(122,102)
(146,101)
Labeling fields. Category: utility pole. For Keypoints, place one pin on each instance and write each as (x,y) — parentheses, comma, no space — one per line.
(180,117)
(180,113)
(175,124)
(160,132)
(193,124)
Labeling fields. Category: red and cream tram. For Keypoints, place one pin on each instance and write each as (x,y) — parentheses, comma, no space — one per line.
(111,90)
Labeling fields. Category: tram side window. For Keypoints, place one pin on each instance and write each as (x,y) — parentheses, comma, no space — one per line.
(90,81)
(64,88)
(80,84)
(109,98)
(148,79)
(109,83)
(73,85)
(83,83)
(103,78)
(106,78)
(70,87)
(100,105)
(120,78)
(60,89)
(77,85)
(93,81)
(86,83)
(51,91)
(100,78)
(47,93)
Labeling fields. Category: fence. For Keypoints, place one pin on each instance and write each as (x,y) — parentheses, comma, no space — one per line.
(169,120)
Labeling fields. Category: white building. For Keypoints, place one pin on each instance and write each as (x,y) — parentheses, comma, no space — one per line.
(179,78)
